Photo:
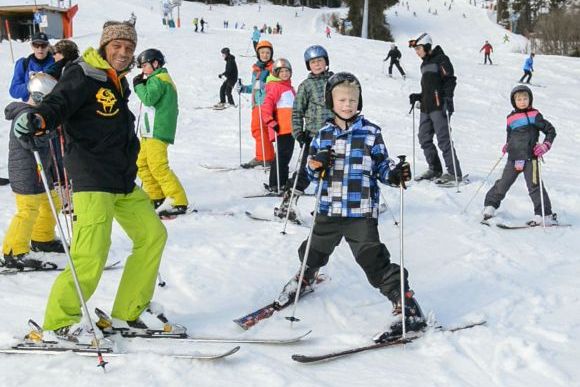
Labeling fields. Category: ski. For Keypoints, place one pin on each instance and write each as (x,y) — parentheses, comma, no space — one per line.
(394,341)
(197,211)
(251,319)
(156,335)
(274,219)
(224,168)
(53,349)
(4,181)
(112,266)
(272,195)
(526,226)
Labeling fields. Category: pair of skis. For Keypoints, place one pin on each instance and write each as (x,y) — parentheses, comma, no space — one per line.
(12,271)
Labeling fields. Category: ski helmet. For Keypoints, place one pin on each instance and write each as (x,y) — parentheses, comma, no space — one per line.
(336,80)
(225,51)
(314,52)
(281,63)
(150,55)
(262,44)
(39,85)
(423,40)
(521,89)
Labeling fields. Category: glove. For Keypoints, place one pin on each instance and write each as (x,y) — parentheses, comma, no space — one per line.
(448,105)
(138,80)
(238,87)
(28,124)
(326,157)
(400,174)
(504,149)
(302,138)
(415,97)
(541,149)
(275,127)
(220,76)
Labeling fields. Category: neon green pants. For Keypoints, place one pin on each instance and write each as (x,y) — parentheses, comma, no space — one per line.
(94,213)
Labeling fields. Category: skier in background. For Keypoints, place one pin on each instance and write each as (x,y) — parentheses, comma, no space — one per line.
(487,50)
(231,74)
(528,69)
(395,56)
(255,36)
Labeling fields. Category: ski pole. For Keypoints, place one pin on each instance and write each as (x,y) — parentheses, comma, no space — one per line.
(262,136)
(67,183)
(307,253)
(87,316)
(539,161)
(402,187)
(452,152)
(483,183)
(414,160)
(60,193)
(296,174)
(277,162)
(395,222)
(240,118)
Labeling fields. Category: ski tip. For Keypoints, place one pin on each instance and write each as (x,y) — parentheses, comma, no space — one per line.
(300,358)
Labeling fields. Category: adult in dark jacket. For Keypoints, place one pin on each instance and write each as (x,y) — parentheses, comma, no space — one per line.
(231,74)
(38,61)
(91,101)
(395,56)
(33,224)
(65,51)
(437,86)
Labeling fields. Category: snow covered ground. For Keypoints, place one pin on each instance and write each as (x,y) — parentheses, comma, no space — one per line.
(524,283)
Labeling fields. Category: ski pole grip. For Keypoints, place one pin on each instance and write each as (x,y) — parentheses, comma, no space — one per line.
(402,159)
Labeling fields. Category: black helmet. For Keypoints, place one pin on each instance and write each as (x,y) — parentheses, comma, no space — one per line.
(521,89)
(337,79)
(150,55)
(225,51)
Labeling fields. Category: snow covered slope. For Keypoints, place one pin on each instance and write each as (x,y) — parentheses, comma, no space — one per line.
(524,283)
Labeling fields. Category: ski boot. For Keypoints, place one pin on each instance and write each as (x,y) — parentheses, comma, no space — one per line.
(288,293)
(76,336)
(23,262)
(271,190)
(219,106)
(151,323)
(447,178)
(172,212)
(550,220)
(488,212)
(253,163)
(428,175)
(54,246)
(414,318)
(286,206)
(157,202)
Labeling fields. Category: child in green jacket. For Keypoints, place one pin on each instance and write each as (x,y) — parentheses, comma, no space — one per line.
(158,94)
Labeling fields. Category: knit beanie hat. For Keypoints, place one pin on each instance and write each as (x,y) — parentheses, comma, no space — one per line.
(113,30)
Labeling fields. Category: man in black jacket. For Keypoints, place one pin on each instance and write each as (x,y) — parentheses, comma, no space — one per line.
(91,101)
(395,56)
(436,98)
(231,74)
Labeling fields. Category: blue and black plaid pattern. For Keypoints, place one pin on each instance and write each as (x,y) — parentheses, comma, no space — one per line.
(350,187)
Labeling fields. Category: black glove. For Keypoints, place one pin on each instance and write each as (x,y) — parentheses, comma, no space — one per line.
(138,80)
(302,138)
(401,173)
(276,128)
(220,76)
(415,97)
(326,157)
(448,105)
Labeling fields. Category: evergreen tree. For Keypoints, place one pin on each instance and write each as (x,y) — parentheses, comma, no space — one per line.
(378,26)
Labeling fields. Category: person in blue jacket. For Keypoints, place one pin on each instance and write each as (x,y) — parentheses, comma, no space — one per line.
(256,37)
(37,62)
(528,68)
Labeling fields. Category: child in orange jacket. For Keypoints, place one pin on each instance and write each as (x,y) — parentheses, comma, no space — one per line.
(277,118)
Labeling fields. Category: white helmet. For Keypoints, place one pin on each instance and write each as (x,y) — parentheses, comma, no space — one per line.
(281,63)
(39,85)
(423,40)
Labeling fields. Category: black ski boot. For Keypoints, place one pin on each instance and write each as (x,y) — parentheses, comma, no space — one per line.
(414,318)
(282,211)
(23,262)
(54,246)
(172,212)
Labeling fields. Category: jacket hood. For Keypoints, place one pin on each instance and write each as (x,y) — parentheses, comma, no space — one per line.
(436,52)
(518,89)
(14,109)
(272,78)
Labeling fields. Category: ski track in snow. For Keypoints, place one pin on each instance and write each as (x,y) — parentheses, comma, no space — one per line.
(217,268)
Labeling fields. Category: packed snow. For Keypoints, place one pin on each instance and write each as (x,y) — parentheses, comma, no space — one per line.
(217,268)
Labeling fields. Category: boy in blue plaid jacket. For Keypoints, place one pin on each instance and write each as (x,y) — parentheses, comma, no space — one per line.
(351,152)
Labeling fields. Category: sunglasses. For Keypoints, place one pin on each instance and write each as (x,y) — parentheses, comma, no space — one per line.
(39,45)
